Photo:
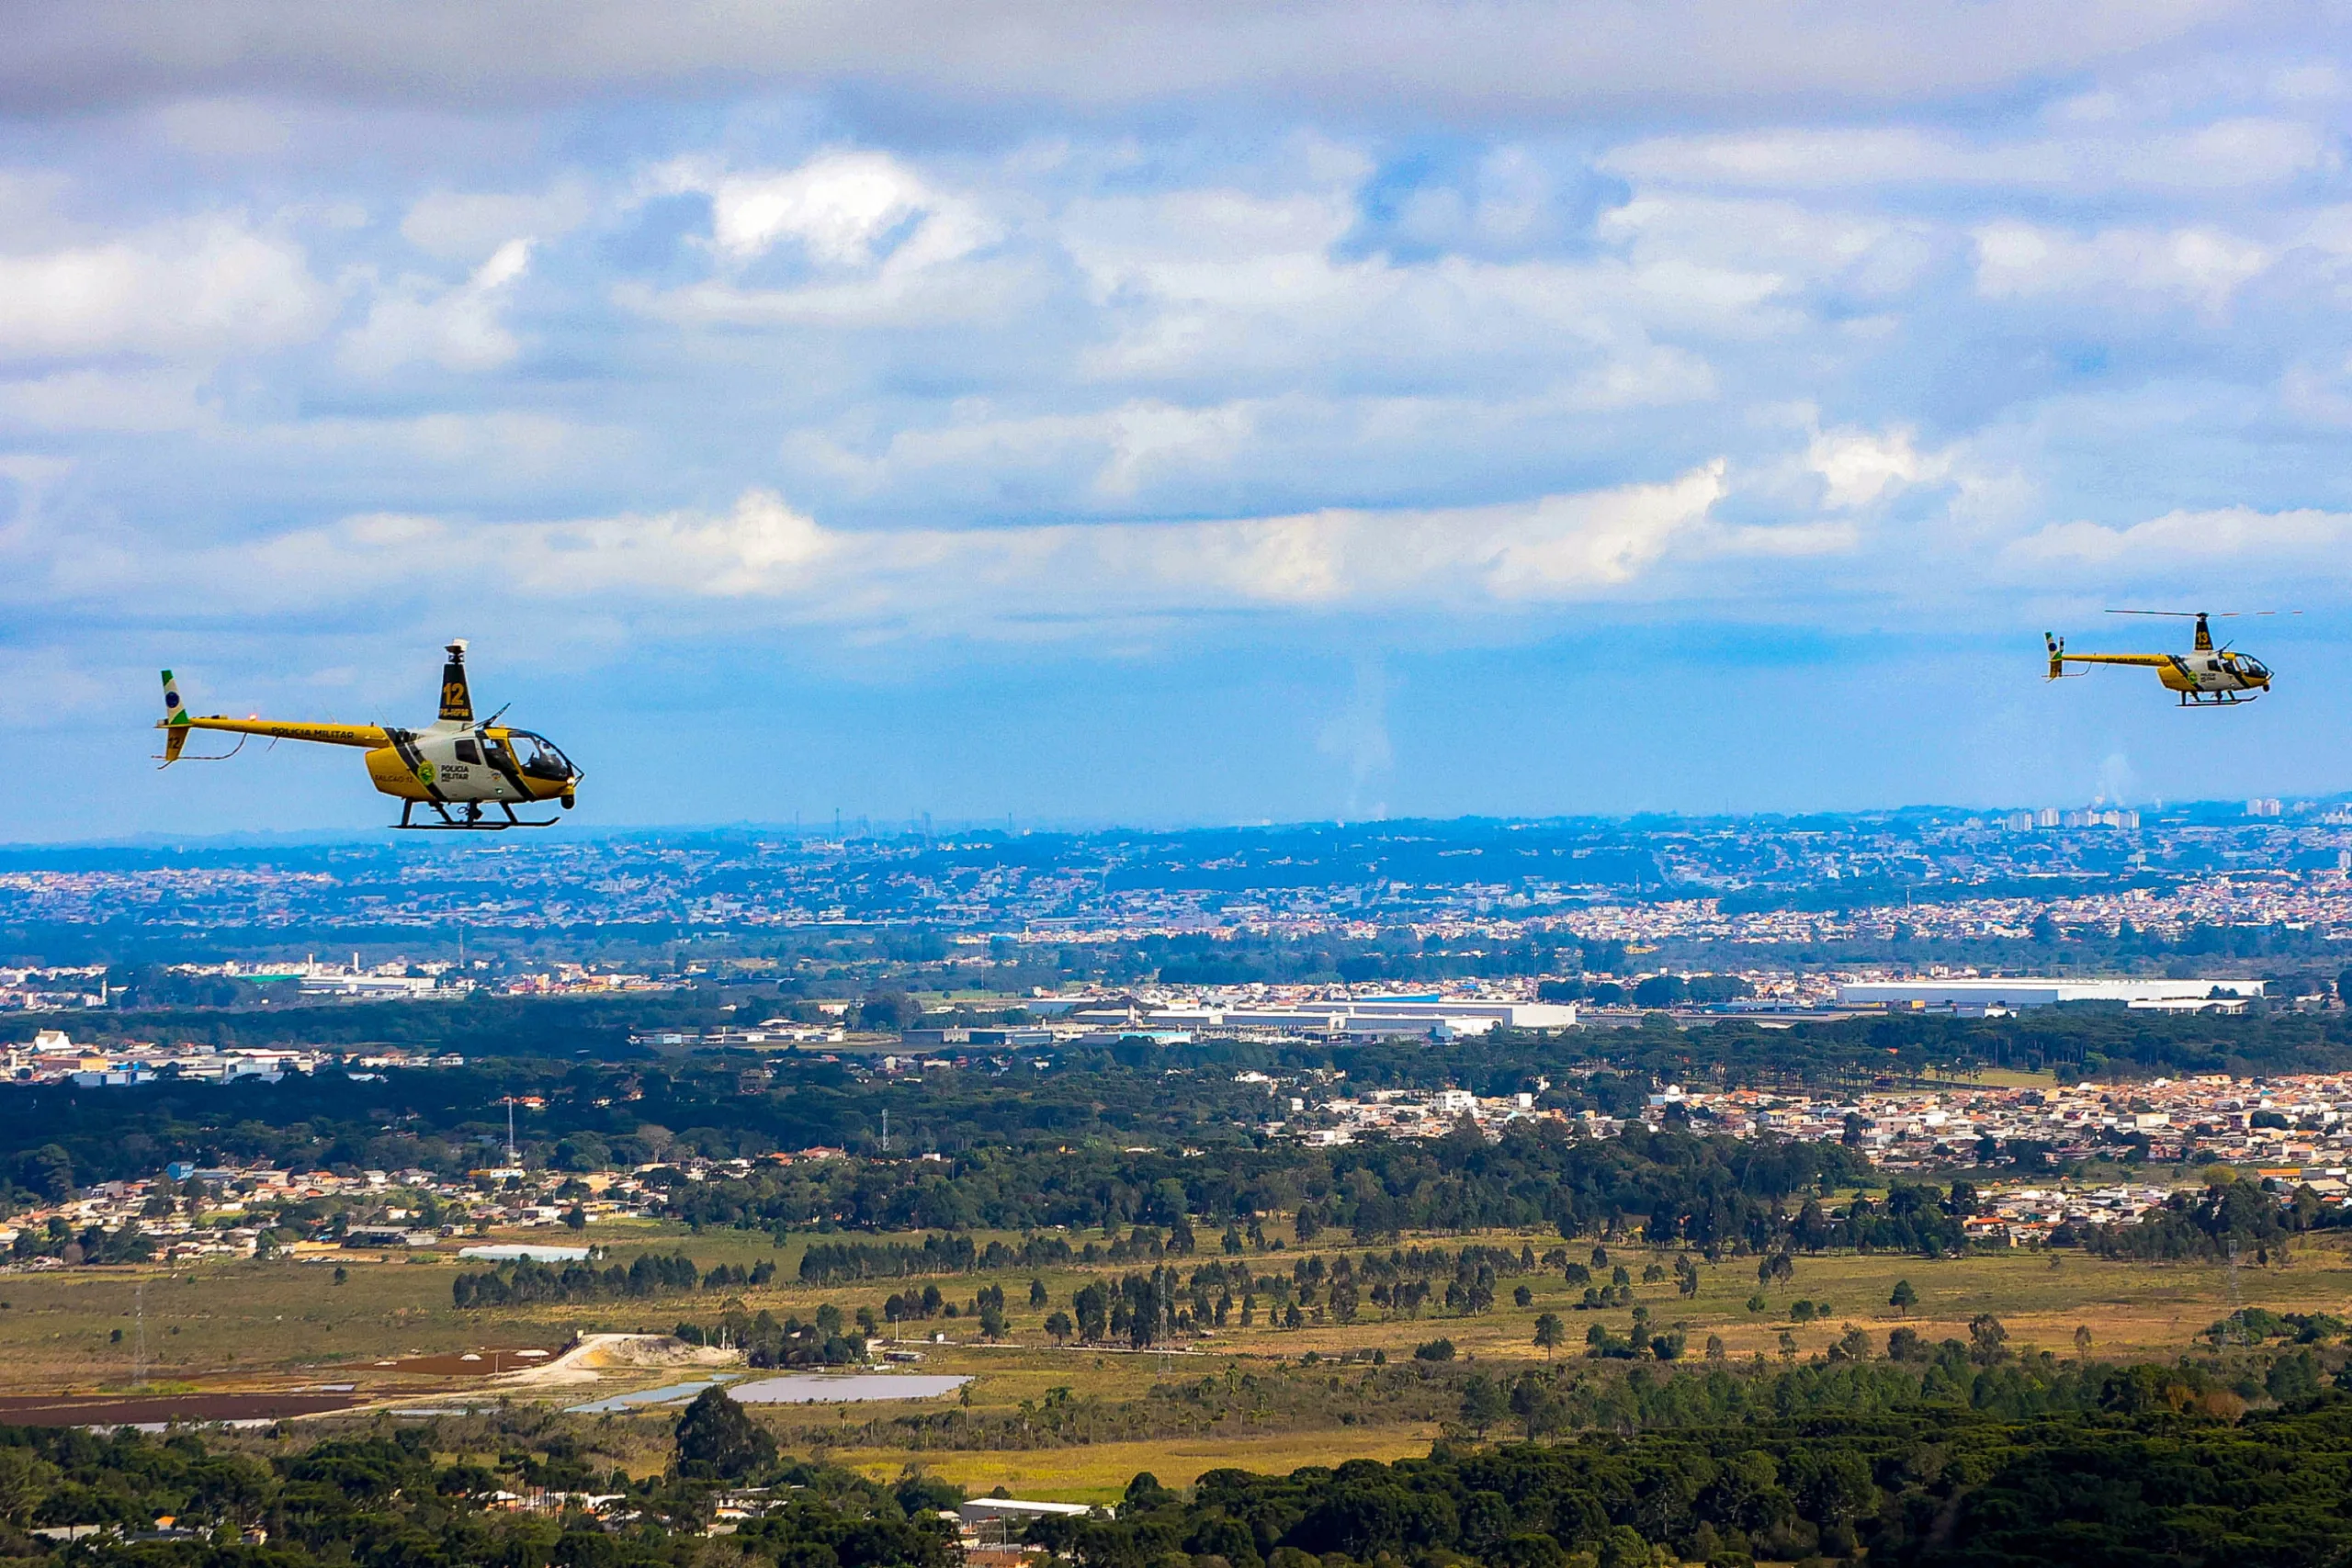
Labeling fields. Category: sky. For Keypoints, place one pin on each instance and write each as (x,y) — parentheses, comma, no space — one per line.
(1155,413)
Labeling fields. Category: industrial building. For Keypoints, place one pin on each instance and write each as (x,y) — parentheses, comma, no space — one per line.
(1369,1017)
(1976,996)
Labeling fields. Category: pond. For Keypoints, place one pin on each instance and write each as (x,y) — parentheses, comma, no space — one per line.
(823,1388)
(674,1392)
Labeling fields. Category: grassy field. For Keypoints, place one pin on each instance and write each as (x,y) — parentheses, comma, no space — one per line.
(1099,1472)
(254,1319)
(276,1324)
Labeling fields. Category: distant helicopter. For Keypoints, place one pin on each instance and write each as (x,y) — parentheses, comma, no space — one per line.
(2206,677)
(455,765)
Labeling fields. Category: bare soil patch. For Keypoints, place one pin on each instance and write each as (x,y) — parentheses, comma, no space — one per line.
(75,1410)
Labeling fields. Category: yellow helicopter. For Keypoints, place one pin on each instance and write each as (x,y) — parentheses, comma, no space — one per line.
(2206,677)
(455,765)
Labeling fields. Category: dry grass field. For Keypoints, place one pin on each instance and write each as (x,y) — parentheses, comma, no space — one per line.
(281,1324)
(1099,1472)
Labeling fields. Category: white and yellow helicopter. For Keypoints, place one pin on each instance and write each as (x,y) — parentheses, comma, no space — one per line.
(455,765)
(2206,677)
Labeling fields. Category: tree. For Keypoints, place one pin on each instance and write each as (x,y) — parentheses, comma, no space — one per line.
(48,1171)
(1144,1493)
(717,1439)
(1037,1292)
(1550,1333)
(25,1479)
(1058,1325)
(1986,1337)
(1483,1403)
(1093,1304)
(1533,1401)
(576,1217)
(2082,1342)
(889,1012)
(1660,992)
(1904,1297)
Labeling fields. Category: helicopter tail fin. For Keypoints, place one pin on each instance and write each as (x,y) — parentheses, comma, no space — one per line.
(2057,646)
(457,699)
(175,725)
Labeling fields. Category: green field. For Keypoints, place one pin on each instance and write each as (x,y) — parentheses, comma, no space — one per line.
(263,1324)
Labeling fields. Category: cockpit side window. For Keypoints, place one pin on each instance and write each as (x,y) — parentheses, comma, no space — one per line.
(540,758)
(469,752)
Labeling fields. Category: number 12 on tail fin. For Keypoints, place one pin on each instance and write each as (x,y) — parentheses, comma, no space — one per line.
(175,720)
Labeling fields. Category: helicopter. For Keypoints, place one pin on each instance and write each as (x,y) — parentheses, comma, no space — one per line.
(2206,677)
(455,765)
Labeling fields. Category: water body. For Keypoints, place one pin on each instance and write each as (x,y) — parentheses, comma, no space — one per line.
(820,1388)
(675,1392)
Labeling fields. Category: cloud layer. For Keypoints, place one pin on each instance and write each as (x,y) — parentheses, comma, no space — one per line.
(1349,337)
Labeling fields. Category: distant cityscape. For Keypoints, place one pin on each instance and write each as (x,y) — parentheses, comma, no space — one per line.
(1774,880)
(2293,1134)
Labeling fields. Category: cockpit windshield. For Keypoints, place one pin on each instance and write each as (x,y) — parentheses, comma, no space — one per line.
(540,759)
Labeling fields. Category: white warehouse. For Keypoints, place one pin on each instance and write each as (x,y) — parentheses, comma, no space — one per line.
(1974,994)
(1373,1016)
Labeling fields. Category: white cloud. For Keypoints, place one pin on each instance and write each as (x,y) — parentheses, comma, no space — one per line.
(460,328)
(2225,155)
(151,399)
(1221,287)
(841,210)
(1554,549)
(2202,265)
(1797,244)
(470,226)
(1124,448)
(838,207)
(881,246)
(203,287)
(1859,467)
(2236,543)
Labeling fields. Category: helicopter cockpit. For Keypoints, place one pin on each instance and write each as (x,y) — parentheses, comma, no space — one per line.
(540,759)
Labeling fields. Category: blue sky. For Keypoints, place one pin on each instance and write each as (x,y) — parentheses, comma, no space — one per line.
(1173,413)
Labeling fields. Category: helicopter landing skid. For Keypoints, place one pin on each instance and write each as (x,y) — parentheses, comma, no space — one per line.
(469,818)
(2216,699)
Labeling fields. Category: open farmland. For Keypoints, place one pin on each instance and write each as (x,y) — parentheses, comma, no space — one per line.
(1071,1420)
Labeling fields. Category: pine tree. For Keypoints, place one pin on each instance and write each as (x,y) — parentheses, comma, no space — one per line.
(716,1438)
